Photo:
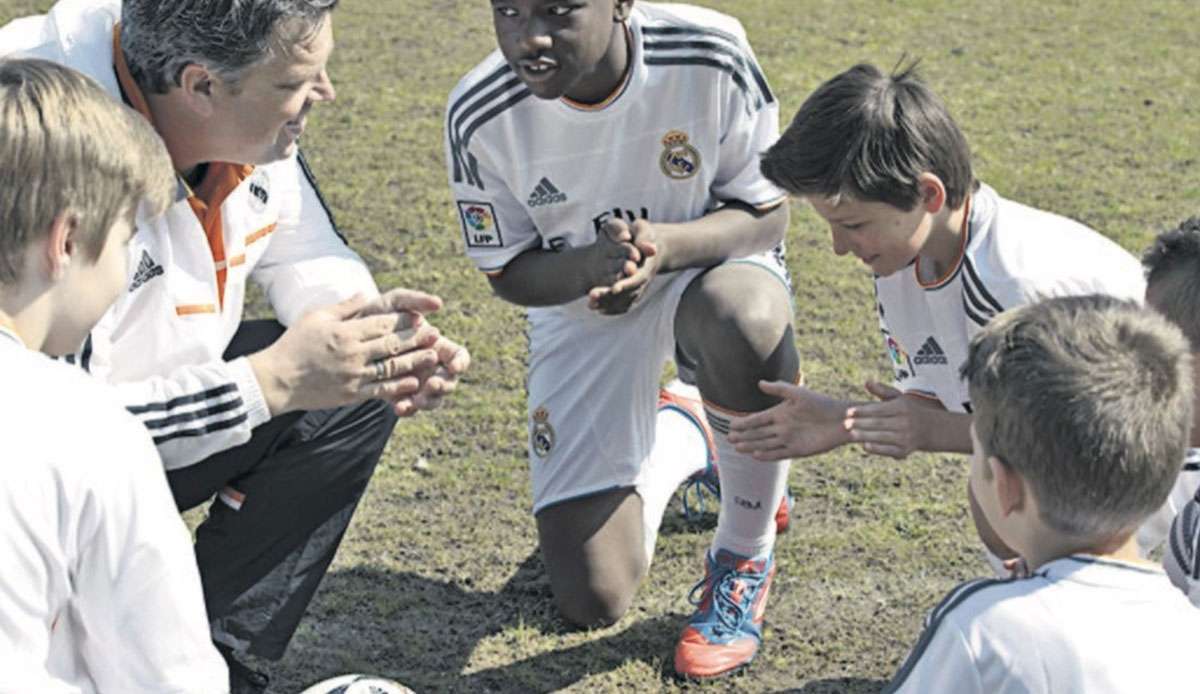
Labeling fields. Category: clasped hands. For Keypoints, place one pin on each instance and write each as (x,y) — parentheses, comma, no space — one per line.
(624,260)
(362,349)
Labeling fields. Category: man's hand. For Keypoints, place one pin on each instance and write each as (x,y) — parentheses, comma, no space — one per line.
(891,427)
(453,361)
(619,296)
(349,352)
(804,423)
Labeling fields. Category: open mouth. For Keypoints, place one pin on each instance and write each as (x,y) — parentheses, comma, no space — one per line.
(537,69)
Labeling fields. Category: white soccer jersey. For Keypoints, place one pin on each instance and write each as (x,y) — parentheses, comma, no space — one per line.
(1079,624)
(682,135)
(1182,556)
(1011,255)
(161,342)
(100,591)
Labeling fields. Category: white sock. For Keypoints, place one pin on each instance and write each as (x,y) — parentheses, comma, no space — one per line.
(750,495)
(680,451)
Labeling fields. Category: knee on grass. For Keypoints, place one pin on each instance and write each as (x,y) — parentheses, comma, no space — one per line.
(597,604)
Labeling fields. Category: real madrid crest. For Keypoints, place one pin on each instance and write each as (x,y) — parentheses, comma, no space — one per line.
(679,159)
(542,437)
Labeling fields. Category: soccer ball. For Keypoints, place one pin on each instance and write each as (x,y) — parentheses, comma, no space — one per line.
(358,684)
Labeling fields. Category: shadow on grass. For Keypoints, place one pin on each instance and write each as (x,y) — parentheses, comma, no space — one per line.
(430,634)
(841,685)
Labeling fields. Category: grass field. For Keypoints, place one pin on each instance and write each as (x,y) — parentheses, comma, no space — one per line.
(1085,107)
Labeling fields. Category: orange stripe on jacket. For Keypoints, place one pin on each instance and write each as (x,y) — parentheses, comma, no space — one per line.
(193,309)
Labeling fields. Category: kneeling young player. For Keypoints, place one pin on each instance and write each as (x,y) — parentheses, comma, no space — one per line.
(880,158)
(1083,407)
(100,589)
(605,164)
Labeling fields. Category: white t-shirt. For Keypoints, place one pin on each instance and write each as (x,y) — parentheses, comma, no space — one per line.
(679,138)
(1079,624)
(100,590)
(1012,255)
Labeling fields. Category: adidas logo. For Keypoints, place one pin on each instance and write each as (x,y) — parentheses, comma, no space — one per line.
(546,194)
(147,270)
(930,353)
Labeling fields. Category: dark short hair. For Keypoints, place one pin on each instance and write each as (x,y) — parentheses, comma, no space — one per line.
(1172,266)
(1090,399)
(162,37)
(870,135)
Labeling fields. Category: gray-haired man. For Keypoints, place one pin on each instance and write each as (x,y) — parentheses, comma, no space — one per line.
(283,425)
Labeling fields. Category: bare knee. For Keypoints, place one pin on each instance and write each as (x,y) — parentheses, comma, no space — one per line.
(600,602)
(595,555)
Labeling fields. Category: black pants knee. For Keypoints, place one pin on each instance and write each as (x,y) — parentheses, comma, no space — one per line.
(285,498)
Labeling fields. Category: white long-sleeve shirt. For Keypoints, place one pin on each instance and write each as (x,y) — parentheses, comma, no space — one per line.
(161,343)
(99,590)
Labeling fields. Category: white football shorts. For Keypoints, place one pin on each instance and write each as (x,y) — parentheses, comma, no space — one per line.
(593,388)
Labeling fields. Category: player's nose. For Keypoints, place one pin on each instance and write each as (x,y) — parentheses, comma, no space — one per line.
(841,245)
(534,38)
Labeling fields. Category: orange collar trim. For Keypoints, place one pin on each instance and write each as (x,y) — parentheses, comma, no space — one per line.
(616,93)
(132,91)
(964,236)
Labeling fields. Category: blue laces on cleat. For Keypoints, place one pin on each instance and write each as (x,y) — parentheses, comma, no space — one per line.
(697,488)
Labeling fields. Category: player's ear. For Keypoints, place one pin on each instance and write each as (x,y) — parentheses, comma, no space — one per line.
(61,244)
(196,84)
(932,191)
(621,10)
(1009,484)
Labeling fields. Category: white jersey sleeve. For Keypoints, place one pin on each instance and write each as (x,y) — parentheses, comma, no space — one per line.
(1181,560)
(191,412)
(495,225)
(942,660)
(308,263)
(752,127)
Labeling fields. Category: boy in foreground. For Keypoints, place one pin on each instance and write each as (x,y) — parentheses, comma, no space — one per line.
(601,205)
(880,158)
(1083,407)
(100,589)
(1173,290)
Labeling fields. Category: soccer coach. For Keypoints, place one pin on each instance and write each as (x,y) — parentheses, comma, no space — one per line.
(282,421)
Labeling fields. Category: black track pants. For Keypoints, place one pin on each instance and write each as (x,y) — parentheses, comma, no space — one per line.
(297,482)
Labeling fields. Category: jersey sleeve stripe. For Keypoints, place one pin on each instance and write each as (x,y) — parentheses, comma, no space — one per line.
(974,317)
(738,78)
(173,403)
(201,431)
(978,285)
(735,42)
(933,621)
(977,305)
(461,141)
(193,415)
(743,64)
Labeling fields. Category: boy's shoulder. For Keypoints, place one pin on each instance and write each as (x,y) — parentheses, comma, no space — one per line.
(51,405)
(1018,252)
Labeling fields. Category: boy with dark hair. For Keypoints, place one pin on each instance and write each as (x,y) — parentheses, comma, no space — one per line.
(1173,289)
(880,158)
(625,208)
(1083,407)
(100,589)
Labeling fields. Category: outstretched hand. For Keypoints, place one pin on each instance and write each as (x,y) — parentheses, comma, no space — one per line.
(889,427)
(804,423)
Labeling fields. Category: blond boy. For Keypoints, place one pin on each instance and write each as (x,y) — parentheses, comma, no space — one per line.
(100,589)
(1083,407)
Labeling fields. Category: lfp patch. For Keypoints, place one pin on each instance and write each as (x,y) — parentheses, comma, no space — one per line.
(480,228)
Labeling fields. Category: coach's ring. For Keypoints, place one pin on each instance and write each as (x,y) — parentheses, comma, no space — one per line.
(380,370)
